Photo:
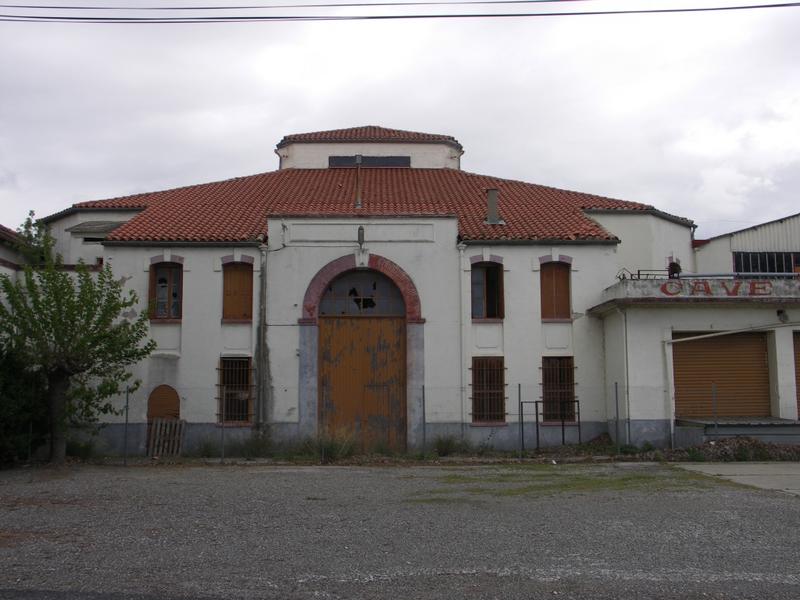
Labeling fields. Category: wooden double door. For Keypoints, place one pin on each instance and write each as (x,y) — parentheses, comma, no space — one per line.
(362,377)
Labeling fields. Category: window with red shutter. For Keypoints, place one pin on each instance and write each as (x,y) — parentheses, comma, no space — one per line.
(237,292)
(555,289)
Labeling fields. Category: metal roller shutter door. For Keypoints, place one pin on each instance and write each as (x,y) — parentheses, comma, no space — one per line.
(737,364)
(797,368)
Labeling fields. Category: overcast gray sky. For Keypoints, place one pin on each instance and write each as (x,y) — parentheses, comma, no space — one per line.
(696,113)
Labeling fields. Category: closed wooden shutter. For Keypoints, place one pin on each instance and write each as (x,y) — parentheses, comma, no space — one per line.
(797,369)
(736,364)
(237,285)
(555,292)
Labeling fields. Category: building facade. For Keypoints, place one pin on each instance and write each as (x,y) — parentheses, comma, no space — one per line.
(370,287)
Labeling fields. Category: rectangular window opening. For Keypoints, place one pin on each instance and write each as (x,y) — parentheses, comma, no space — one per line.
(558,388)
(487,291)
(235,390)
(488,390)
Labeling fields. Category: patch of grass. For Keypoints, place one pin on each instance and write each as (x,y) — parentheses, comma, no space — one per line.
(257,445)
(695,455)
(628,449)
(545,480)
(447,445)
(81,449)
(438,500)
(330,446)
(207,448)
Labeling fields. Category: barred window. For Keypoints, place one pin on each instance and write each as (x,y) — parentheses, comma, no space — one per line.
(488,389)
(558,388)
(235,394)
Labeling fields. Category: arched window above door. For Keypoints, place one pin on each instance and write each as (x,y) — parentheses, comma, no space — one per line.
(362,293)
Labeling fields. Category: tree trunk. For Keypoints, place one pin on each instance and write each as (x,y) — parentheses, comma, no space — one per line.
(58,384)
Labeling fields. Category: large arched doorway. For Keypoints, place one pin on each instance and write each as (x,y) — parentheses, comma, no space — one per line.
(362,360)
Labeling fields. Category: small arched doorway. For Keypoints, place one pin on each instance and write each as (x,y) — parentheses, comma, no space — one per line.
(362,360)
(163,403)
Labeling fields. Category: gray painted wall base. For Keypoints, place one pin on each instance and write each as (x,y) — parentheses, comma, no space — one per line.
(110,439)
(209,436)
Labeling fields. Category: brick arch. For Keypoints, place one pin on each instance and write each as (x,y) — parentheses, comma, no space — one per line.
(343,264)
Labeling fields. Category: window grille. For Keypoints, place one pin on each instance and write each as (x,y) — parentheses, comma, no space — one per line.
(558,388)
(488,390)
(235,390)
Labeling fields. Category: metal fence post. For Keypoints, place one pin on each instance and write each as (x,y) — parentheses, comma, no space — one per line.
(424,424)
(714,407)
(222,429)
(616,423)
(125,434)
(521,421)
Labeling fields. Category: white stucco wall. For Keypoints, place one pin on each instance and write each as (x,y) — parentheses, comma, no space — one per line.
(648,241)
(315,156)
(649,360)
(188,352)
(70,246)
(424,248)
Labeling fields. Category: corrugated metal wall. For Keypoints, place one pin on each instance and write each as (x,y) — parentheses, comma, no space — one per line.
(738,366)
(780,236)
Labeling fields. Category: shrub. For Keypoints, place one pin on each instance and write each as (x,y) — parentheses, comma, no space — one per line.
(648,447)
(695,455)
(628,449)
(446,445)
(207,448)
(331,446)
(81,449)
(257,445)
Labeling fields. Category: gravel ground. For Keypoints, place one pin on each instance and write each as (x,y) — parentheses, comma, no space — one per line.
(499,531)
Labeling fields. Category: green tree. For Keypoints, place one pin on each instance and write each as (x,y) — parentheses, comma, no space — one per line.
(78,332)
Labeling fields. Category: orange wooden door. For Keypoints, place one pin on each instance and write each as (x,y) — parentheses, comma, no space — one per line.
(163,403)
(362,375)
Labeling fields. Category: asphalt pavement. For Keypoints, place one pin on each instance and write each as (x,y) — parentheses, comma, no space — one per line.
(782,476)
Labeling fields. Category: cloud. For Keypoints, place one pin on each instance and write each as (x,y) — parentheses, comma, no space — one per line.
(697,114)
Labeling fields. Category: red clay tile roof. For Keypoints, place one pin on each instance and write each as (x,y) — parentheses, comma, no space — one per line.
(236,210)
(368,133)
(8,235)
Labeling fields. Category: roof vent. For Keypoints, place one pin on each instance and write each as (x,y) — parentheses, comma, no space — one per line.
(492,214)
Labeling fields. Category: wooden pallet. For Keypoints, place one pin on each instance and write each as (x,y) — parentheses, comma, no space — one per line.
(165,437)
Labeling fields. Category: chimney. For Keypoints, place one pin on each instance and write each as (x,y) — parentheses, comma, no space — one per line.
(358,181)
(492,214)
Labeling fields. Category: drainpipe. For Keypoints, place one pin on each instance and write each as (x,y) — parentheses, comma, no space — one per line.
(627,376)
(461,332)
(262,350)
